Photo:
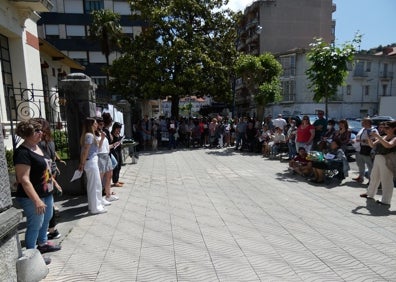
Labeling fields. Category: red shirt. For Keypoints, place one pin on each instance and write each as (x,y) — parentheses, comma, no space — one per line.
(304,134)
(300,159)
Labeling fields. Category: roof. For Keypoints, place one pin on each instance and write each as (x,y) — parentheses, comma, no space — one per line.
(58,55)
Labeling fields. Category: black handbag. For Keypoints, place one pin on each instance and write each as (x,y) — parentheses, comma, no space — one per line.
(365,150)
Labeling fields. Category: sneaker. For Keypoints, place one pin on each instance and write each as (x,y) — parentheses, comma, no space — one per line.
(112,198)
(54,235)
(48,247)
(105,202)
(99,211)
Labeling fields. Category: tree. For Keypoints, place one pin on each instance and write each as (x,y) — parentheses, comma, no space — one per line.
(106,28)
(187,48)
(261,77)
(329,67)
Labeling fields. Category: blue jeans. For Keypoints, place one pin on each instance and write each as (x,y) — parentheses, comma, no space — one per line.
(292,149)
(36,224)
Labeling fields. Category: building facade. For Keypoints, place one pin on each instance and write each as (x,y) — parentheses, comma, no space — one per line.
(66,27)
(279,26)
(370,78)
(19,67)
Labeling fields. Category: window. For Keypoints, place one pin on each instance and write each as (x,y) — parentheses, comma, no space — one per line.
(288,90)
(367,90)
(122,7)
(92,5)
(384,89)
(79,56)
(127,30)
(368,66)
(288,65)
(97,57)
(73,6)
(51,31)
(6,73)
(349,89)
(75,31)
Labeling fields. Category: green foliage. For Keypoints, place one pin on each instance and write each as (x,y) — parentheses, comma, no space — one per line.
(328,67)
(61,143)
(261,76)
(187,48)
(106,28)
(10,160)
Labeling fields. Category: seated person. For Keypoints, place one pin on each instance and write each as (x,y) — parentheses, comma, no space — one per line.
(334,159)
(327,136)
(277,139)
(264,139)
(300,164)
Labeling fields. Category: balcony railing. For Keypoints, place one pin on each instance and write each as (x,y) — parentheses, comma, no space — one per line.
(359,73)
(386,75)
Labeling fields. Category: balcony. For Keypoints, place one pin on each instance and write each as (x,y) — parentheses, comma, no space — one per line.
(359,73)
(386,75)
(34,5)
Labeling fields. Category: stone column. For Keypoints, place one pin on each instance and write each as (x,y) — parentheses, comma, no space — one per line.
(78,90)
(9,220)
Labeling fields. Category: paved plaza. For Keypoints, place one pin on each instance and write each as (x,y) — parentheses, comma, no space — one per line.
(221,215)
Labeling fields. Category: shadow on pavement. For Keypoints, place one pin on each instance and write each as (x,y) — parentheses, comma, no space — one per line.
(373,209)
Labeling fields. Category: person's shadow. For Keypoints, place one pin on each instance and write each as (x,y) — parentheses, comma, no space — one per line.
(373,209)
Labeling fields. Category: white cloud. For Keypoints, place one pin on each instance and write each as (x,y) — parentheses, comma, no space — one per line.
(238,5)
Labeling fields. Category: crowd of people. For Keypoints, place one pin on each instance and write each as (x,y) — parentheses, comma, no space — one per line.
(35,162)
(311,149)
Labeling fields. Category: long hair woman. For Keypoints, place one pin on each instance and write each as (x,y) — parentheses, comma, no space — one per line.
(90,144)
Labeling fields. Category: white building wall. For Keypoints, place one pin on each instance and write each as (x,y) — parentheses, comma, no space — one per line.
(359,96)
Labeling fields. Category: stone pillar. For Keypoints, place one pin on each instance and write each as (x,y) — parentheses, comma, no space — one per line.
(78,90)
(9,220)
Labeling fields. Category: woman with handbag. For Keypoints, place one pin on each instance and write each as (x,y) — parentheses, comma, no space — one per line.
(105,163)
(35,186)
(363,152)
(381,173)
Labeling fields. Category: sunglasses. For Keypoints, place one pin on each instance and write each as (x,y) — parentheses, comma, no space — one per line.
(38,131)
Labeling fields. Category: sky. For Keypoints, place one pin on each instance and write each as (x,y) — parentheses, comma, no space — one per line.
(375,20)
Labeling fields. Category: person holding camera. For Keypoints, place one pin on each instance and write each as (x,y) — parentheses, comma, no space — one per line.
(363,150)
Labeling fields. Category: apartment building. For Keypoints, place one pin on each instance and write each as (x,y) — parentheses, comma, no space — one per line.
(66,27)
(370,78)
(279,26)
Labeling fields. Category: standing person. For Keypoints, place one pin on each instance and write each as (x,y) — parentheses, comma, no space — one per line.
(240,131)
(47,145)
(291,139)
(35,186)
(363,152)
(117,153)
(145,128)
(90,144)
(381,173)
(104,163)
(320,125)
(305,134)
(279,122)
(212,132)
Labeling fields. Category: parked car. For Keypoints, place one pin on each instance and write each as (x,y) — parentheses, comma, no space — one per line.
(378,119)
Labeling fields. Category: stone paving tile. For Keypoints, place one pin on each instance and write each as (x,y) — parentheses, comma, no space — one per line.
(218,215)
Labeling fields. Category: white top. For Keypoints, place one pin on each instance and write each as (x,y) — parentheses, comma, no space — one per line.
(279,122)
(105,149)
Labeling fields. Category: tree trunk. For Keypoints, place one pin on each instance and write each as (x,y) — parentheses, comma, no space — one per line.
(175,107)
(327,107)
